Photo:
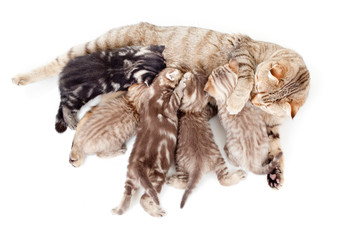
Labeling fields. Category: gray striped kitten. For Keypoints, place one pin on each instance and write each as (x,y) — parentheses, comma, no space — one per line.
(153,151)
(247,142)
(85,77)
(105,129)
(197,153)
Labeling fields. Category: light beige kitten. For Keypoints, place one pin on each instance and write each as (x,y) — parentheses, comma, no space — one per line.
(105,129)
(197,152)
(247,141)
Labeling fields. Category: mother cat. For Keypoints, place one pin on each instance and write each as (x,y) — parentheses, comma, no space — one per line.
(280,86)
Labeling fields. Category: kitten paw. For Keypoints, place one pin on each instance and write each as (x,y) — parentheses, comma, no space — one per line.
(21,79)
(156,211)
(151,207)
(177,181)
(233,178)
(117,211)
(275,178)
(76,162)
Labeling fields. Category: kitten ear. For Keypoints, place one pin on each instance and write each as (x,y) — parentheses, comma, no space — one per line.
(209,88)
(276,73)
(234,66)
(157,48)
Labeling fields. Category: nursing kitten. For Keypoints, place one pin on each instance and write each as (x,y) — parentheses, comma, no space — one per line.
(247,141)
(86,77)
(105,129)
(153,151)
(197,152)
(190,48)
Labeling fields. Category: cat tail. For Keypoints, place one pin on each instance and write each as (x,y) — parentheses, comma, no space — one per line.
(60,124)
(145,182)
(267,168)
(113,39)
(192,183)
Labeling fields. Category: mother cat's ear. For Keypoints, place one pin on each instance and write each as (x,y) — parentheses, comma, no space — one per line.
(295,105)
(291,108)
(276,73)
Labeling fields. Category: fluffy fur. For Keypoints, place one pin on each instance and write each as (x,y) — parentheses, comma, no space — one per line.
(247,141)
(191,48)
(197,152)
(105,129)
(86,77)
(153,151)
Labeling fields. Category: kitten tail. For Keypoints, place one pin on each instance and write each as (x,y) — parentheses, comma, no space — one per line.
(269,167)
(60,124)
(193,180)
(145,181)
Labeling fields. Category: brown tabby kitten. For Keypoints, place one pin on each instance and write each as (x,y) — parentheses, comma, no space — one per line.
(105,129)
(190,48)
(247,139)
(197,152)
(153,151)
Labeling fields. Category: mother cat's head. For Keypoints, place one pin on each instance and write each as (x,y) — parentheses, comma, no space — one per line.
(282,79)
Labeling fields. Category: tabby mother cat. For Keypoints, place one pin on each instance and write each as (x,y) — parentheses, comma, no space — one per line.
(281,75)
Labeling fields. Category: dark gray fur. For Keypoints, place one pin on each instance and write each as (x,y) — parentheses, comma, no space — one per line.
(85,77)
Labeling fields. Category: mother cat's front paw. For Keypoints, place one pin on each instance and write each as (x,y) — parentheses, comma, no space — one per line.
(275,178)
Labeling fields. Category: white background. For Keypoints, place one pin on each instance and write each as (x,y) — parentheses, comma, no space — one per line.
(44,197)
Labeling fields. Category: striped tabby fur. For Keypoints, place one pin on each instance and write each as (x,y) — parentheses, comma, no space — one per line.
(197,152)
(153,151)
(86,77)
(105,129)
(190,48)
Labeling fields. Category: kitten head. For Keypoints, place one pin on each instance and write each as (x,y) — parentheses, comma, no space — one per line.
(222,81)
(168,77)
(195,99)
(283,78)
(141,63)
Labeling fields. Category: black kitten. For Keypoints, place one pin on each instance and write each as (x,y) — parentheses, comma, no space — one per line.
(86,77)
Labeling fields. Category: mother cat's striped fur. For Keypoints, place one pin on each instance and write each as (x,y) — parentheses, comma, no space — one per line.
(190,48)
